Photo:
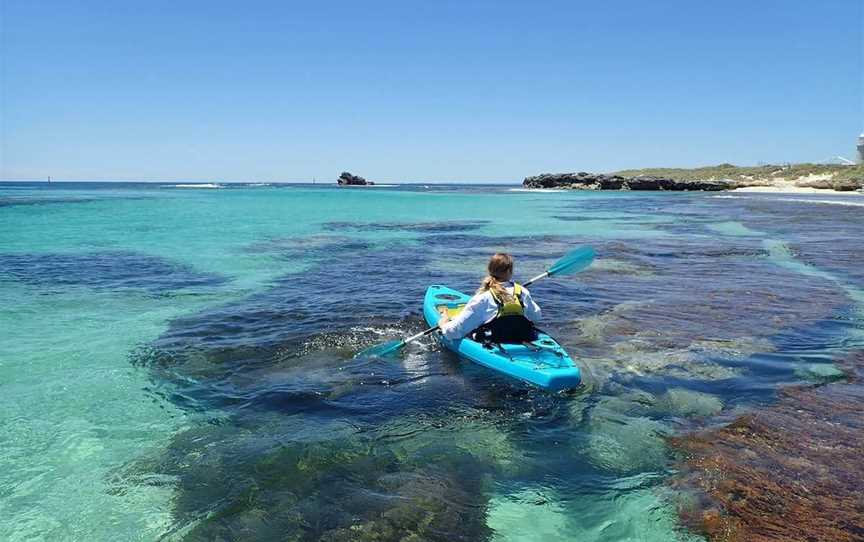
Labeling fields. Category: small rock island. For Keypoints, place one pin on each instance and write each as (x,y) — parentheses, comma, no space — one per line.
(347,179)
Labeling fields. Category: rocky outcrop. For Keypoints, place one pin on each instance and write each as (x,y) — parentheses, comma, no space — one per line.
(597,181)
(354,180)
(841,185)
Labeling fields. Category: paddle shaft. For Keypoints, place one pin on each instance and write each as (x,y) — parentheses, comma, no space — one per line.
(421,334)
(542,275)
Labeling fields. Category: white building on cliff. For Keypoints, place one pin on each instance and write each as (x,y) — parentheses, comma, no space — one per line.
(861,149)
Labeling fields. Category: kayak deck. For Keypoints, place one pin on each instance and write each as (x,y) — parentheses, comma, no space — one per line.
(543,362)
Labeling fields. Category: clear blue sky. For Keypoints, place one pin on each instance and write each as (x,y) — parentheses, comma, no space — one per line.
(410,90)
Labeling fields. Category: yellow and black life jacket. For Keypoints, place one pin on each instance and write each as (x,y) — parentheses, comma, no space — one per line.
(514,307)
(510,324)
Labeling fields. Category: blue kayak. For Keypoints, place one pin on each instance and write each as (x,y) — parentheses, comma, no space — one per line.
(542,363)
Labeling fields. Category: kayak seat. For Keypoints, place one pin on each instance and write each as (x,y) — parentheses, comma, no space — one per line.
(452,311)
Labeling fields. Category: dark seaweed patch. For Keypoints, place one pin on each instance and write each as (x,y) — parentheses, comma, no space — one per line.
(799,458)
(105,270)
(348,488)
(419,227)
(221,347)
(311,247)
(589,218)
(18,201)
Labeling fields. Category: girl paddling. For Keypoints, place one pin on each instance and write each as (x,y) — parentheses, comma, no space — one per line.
(501,311)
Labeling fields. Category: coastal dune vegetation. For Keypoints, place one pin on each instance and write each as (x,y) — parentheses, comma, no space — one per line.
(833,173)
(786,177)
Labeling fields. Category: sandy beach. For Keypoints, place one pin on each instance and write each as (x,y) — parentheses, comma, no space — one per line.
(791,188)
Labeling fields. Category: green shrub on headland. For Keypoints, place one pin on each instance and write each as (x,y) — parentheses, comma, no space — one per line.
(829,176)
(749,173)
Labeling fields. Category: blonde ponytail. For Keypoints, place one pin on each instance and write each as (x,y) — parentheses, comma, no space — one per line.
(500,268)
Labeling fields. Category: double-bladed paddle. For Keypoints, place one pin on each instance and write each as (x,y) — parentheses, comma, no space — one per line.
(571,263)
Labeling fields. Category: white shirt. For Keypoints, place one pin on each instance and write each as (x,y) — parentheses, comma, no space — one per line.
(481,309)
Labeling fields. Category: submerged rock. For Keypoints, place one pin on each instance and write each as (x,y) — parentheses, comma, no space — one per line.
(599,181)
(688,403)
(348,179)
(627,445)
(619,267)
(644,354)
(623,441)
(820,372)
(480,440)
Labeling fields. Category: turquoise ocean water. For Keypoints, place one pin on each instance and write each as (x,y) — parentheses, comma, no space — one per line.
(176,363)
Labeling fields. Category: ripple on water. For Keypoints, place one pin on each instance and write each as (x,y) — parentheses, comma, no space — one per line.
(733,228)
(633,510)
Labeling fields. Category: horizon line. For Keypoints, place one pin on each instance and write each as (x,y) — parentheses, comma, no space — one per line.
(213,181)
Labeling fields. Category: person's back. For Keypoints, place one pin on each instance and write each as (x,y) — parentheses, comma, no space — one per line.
(500,312)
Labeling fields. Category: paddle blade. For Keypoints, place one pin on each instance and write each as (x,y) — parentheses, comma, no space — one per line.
(574,261)
(390,348)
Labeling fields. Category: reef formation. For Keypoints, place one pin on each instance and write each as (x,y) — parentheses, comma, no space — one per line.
(791,471)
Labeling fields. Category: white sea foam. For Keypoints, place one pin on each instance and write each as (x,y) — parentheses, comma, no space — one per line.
(368,185)
(195,185)
(789,187)
(828,201)
(856,203)
(533,190)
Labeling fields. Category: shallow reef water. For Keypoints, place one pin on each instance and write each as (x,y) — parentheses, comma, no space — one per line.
(229,404)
